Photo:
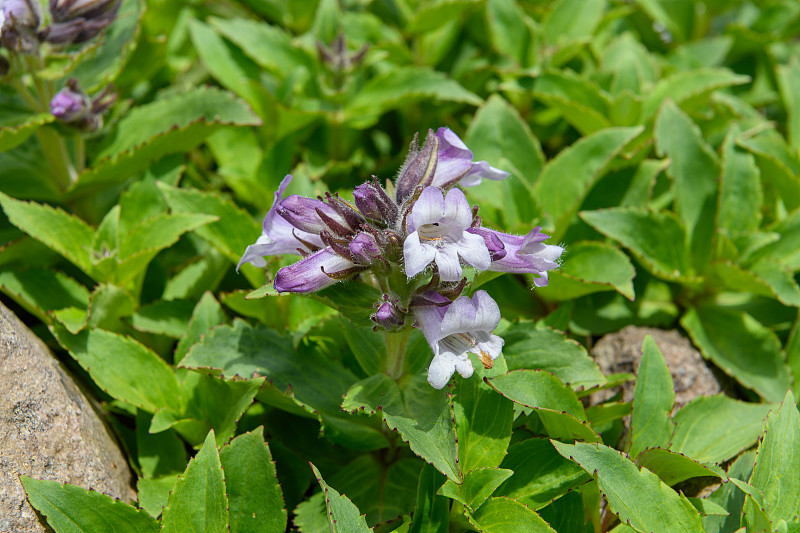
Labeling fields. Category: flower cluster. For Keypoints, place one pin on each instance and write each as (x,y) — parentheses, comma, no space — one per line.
(413,240)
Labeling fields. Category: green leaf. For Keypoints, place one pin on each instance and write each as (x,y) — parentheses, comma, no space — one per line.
(777,469)
(199,502)
(206,314)
(567,178)
(477,486)
(656,239)
(703,429)
(689,88)
(694,171)
(502,515)
(780,281)
(255,500)
(740,193)
(778,167)
(207,403)
(653,399)
(122,367)
(170,125)
(578,99)
(530,346)
(40,291)
(243,350)
(164,317)
(368,347)
(419,413)
(556,405)
(142,201)
(786,249)
(402,86)
(510,30)
(540,473)
(789,83)
(159,232)
(592,267)
(572,19)
(107,305)
(673,467)
(234,231)
(708,508)
(72,509)
(483,419)
(729,338)
(154,493)
(12,135)
(343,516)
(25,172)
(636,495)
(729,497)
(159,454)
(431,513)
(66,234)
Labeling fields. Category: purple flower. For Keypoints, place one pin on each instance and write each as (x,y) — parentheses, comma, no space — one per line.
(455,163)
(374,203)
(278,236)
(454,330)
(311,215)
(526,254)
(388,316)
(364,248)
(70,105)
(77,21)
(314,272)
(21,13)
(438,233)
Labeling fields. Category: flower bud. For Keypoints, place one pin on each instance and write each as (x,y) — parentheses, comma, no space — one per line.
(364,248)
(19,20)
(388,316)
(312,216)
(418,168)
(374,203)
(70,104)
(77,21)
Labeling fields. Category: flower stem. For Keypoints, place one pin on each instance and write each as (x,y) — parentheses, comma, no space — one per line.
(396,344)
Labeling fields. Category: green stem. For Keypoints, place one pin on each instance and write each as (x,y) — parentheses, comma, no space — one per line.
(80,153)
(56,153)
(396,344)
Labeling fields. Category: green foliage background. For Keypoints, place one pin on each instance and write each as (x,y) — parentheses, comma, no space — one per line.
(658,141)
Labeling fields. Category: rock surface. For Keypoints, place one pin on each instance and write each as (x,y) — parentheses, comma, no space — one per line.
(48,429)
(622,352)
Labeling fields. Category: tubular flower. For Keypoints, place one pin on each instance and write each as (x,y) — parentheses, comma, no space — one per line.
(440,234)
(522,254)
(456,329)
(278,236)
(455,165)
(314,272)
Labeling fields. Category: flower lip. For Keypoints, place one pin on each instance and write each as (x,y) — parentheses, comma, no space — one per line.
(455,164)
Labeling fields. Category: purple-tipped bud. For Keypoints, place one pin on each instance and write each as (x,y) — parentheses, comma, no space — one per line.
(77,21)
(364,249)
(418,168)
(70,104)
(497,249)
(374,203)
(312,216)
(388,316)
(314,272)
(19,20)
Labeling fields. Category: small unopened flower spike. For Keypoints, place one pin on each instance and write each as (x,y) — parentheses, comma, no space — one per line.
(418,168)
(77,21)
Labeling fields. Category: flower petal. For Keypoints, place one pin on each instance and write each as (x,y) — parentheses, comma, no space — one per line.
(441,370)
(472,249)
(480,170)
(309,274)
(429,207)
(455,159)
(416,255)
(448,263)
(457,212)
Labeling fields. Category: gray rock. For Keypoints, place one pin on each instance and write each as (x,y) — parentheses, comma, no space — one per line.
(622,352)
(48,429)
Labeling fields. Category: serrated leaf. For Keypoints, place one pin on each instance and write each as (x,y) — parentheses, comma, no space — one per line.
(703,429)
(789,83)
(419,413)
(483,419)
(540,473)
(199,502)
(344,517)
(780,281)
(122,367)
(71,509)
(502,515)
(777,469)
(402,86)
(657,239)
(567,178)
(778,167)
(673,467)
(255,500)
(740,192)
(592,267)
(572,19)
(158,232)
(636,495)
(154,493)
(66,234)
(653,399)
(243,350)
(368,347)
(579,100)
(40,291)
(25,172)
(530,346)
(729,497)
(164,317)
(729,338)
(159,454)
(694,171)
(173,124)
(477,486)
(689,85)
(205,315)
(107,305)
(431,511)
(510,30)
(12,135)
(556,405)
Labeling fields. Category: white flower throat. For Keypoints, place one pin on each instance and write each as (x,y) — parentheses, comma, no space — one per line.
(432,232)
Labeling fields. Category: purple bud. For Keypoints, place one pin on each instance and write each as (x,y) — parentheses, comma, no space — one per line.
(497,249)
(374,203)
(67,10)
(310,215)
(314,272)
(21,13)
(77,21)
(388,316)
(70,104)
(364,248)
